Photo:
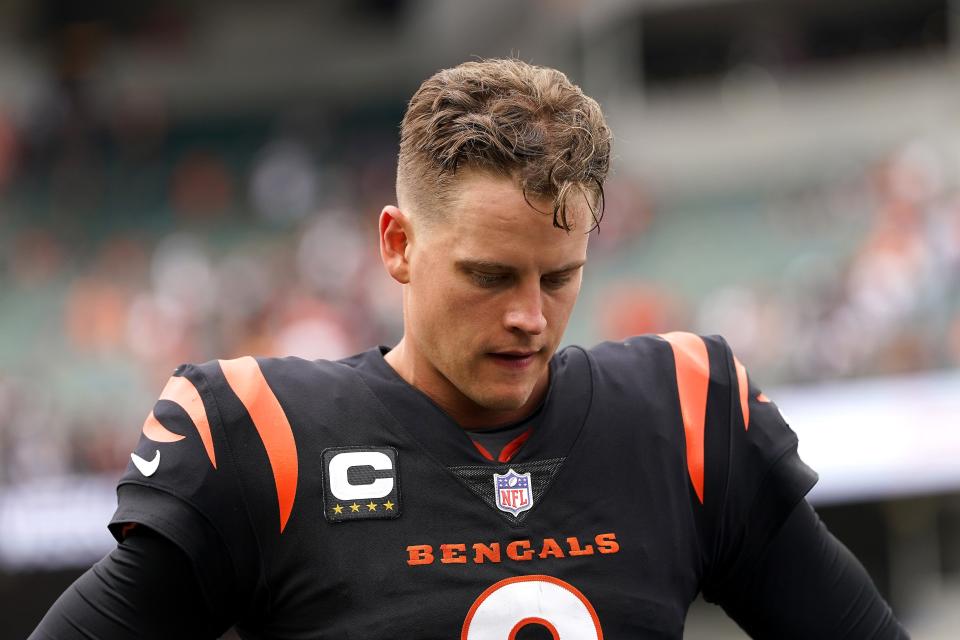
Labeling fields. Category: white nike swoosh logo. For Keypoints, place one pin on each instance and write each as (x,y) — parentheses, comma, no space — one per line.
(147,468)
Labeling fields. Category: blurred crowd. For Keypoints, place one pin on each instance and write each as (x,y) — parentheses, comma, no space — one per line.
(878,289)
(129,244)
(131,241)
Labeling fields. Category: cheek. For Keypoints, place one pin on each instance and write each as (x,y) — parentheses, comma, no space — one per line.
(448,311)
(429,291)
(558,308)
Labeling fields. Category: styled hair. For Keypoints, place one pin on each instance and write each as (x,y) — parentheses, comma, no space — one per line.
(510,118)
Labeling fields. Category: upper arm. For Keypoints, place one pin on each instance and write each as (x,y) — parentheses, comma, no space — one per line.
(808,585)
(764,479)
(145,588)
(183,483)
(741,456)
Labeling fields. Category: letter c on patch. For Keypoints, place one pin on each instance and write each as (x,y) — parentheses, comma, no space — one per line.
(343,489)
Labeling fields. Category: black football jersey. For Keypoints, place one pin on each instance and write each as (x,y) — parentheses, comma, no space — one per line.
(341,502)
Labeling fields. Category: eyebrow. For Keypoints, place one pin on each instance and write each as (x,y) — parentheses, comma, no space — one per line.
(499,267)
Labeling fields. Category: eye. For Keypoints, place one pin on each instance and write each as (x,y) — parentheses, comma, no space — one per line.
(487,279)
(556,281)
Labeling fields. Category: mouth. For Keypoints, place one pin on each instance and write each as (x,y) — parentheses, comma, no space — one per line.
(514,359)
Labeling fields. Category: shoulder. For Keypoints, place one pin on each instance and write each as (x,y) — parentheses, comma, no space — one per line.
(692,357)
(247,370)
(667,379)
(214,404)
(221,420)
(255,381)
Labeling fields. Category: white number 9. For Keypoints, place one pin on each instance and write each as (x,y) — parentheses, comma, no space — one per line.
(509,605)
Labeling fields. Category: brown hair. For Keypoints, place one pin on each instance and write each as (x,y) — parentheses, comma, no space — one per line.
(511,118)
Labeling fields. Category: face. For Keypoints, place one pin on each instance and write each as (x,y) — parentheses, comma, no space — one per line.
(490,290)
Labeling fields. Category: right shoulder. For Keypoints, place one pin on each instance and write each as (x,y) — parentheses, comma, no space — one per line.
(223,426)
(246,375)
(199,399)
(217,457)
(228,390)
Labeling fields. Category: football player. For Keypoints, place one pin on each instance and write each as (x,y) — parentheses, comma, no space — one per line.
(473,482)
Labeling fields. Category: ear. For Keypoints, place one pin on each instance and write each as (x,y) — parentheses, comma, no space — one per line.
(396,235)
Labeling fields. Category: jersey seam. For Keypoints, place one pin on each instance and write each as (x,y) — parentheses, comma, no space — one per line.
(383,408)
(725,499)
(242,487)
(691,505)
(737,567)
(586,416)
(790,446)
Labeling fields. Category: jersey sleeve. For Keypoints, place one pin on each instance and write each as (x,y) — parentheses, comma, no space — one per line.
(134,589)
(753,476)
(828,594)
(182,482)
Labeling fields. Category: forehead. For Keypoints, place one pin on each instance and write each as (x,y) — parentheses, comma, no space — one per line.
(489,218)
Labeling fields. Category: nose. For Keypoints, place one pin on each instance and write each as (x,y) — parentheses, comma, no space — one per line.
(525,311)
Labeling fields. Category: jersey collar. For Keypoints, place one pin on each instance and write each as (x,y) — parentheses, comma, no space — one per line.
(555,426)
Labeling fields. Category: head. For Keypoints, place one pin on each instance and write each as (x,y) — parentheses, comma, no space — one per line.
(499,181)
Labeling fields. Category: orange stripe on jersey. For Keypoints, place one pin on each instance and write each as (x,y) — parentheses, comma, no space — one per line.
(693,380)
(155,431)
(181,391)
(483,450)
(762,398)
(246,379)
(742,385)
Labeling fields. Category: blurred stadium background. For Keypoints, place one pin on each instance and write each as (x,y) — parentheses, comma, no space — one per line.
(182,181)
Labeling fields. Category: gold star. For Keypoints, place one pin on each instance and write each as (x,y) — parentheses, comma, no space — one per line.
(338,509)
(372,506)
(388,505)
(355,508)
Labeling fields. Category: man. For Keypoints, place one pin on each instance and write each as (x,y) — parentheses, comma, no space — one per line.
(471,482)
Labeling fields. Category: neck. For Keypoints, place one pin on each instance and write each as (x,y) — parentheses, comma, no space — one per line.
(422,375)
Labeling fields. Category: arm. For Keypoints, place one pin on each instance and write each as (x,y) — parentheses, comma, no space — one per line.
(808,585)
(192,552)
(768,560)
(145,588)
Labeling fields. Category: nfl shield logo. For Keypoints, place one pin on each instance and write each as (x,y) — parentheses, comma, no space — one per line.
(514,494)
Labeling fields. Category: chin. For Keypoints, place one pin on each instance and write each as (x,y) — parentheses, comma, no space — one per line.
(506,401)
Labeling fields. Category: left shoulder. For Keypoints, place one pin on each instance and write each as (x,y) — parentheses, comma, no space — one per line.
(709,357)
(702,367)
